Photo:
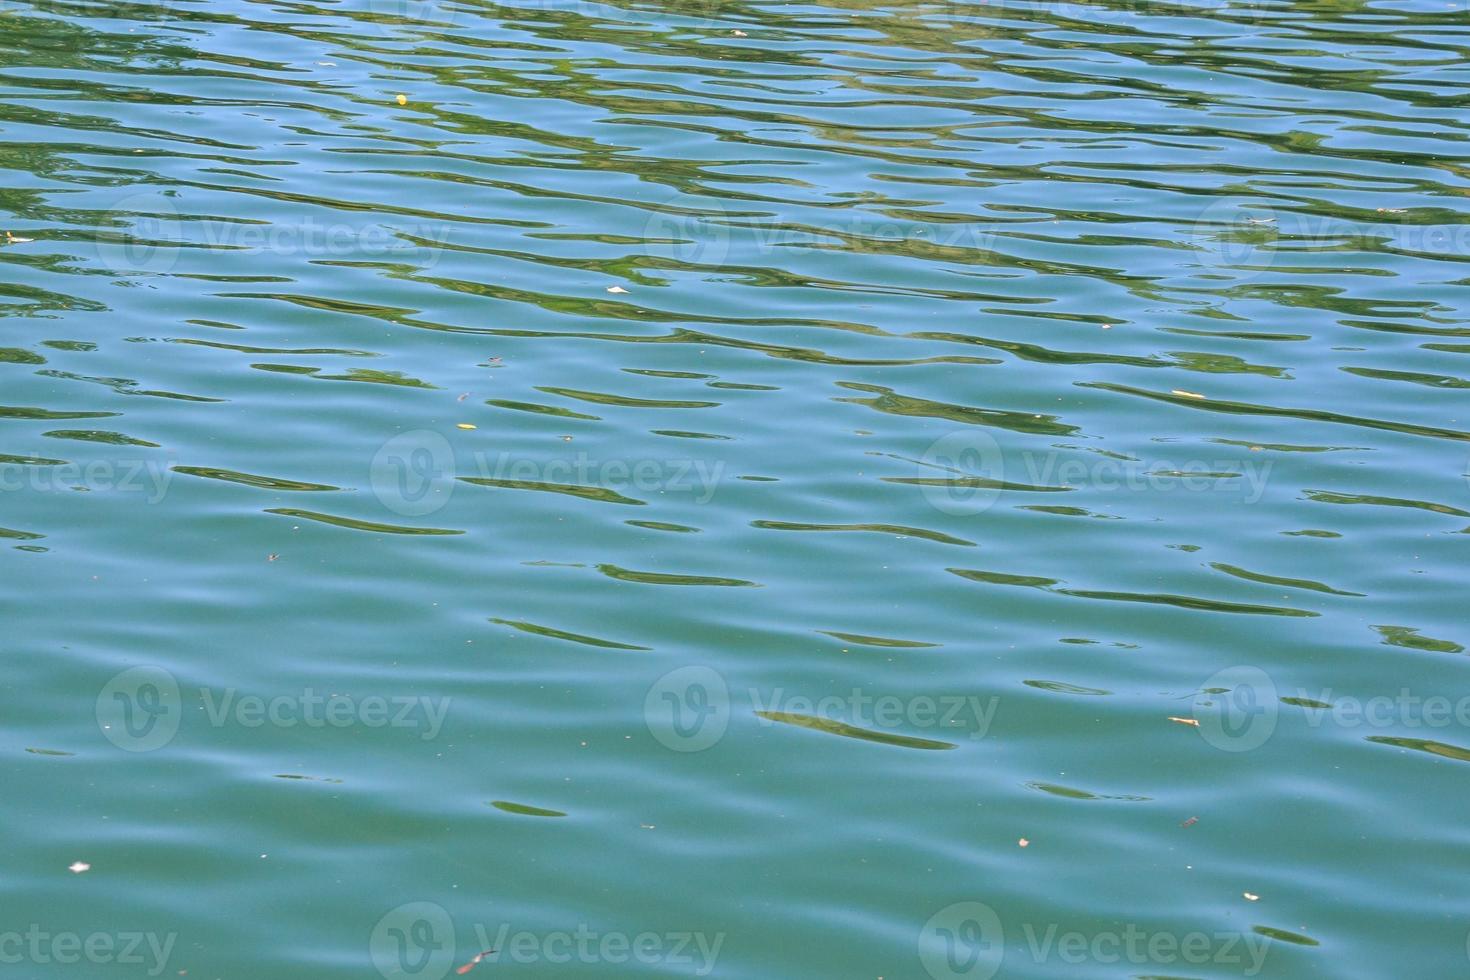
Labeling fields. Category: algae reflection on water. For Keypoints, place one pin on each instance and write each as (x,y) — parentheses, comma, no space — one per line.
(926,490)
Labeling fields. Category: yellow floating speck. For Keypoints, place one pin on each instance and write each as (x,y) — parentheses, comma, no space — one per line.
(465,425)
(402,99)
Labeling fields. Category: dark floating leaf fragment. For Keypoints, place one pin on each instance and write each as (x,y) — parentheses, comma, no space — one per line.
(557,634)
(602,494)
(1441,749)
(842,728)
(862,639)
(524,810)
(251,479)
(1408,636)
(357,525)
(1284,936)
(661,578)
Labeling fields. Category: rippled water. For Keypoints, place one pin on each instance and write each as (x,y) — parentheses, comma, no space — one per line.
(920,490)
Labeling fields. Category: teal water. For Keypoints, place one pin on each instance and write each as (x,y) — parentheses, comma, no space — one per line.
(918,491)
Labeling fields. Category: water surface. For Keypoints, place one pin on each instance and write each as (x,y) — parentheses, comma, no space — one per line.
(919,490)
